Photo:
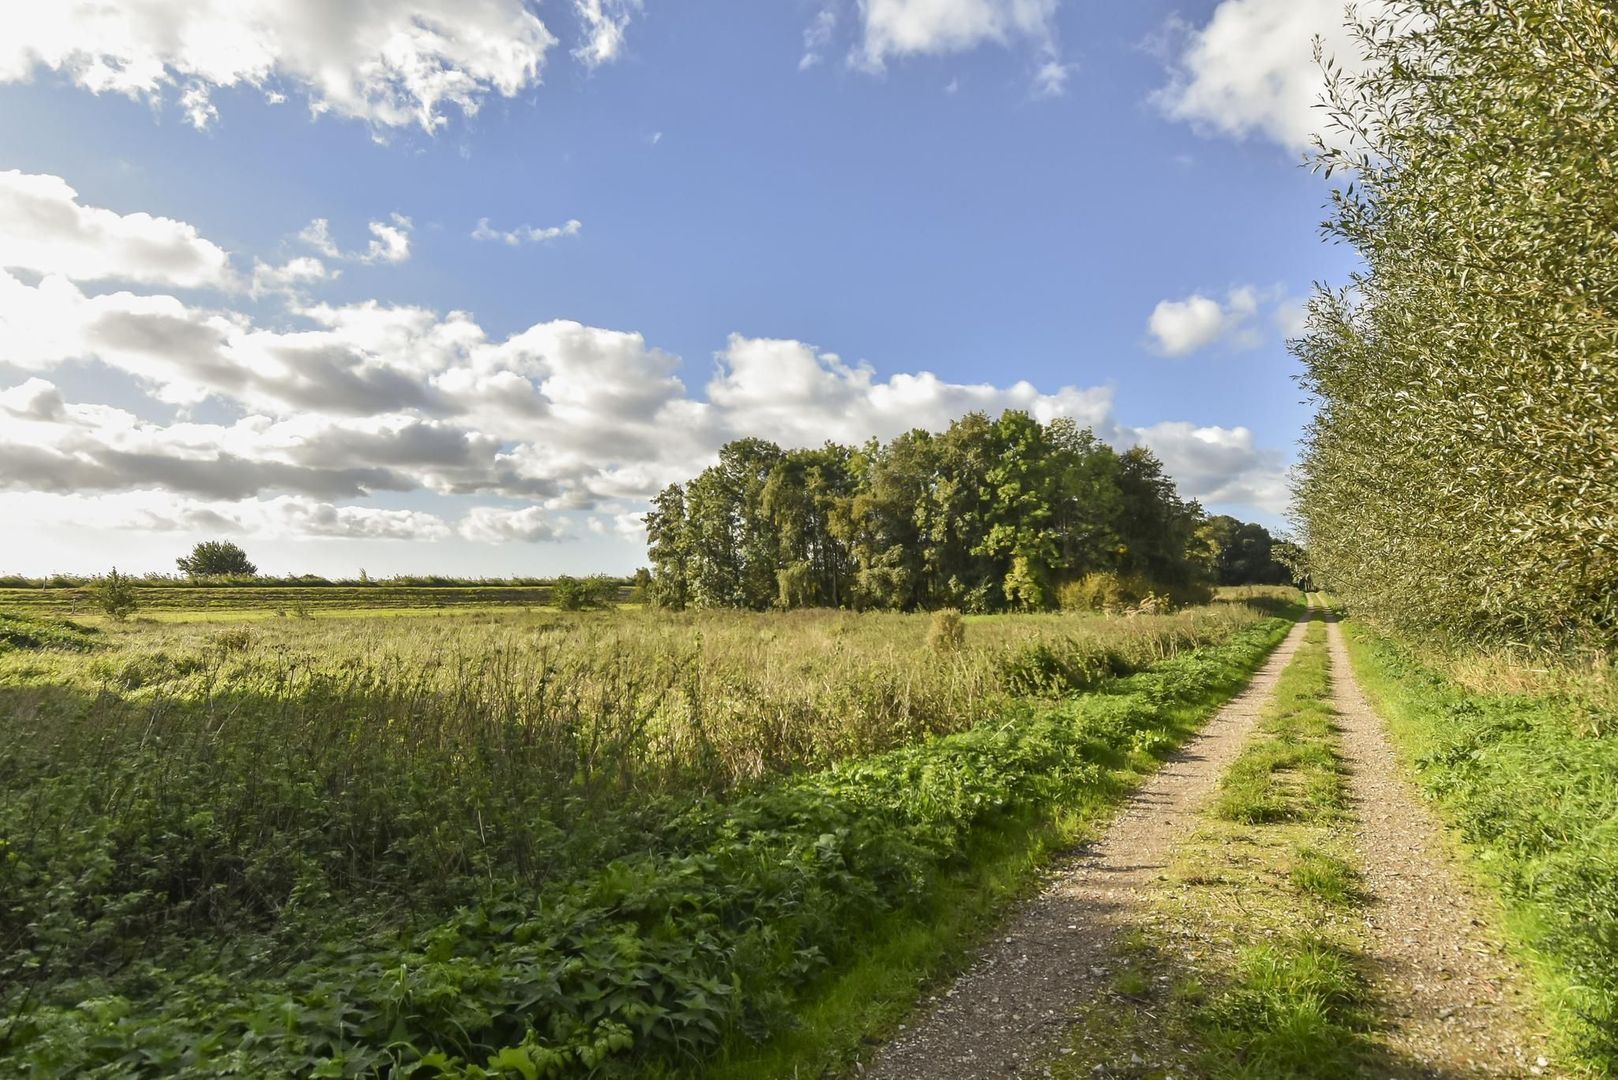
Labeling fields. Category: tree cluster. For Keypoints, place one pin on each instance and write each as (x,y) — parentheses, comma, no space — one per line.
(990,515)
(1461,476)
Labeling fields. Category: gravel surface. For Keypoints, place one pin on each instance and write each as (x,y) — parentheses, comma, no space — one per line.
(1004,1016)
(1453,1001)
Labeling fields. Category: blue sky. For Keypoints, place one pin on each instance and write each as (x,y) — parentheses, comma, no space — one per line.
(763,218)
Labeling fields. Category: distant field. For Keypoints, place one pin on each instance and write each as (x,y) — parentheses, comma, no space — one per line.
(169,601)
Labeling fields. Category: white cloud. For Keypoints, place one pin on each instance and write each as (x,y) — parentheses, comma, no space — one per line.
(45,229)
(390,240)
(526,234)
(280,518)
(887,30)
(894,28)
(605,24)
(291,276)
(817,37)
(1180,327)
(389,64)
(317,234)
(1251,70)
(332,405)
(1216,465)
(1051,79)
(787,391)
(497,525)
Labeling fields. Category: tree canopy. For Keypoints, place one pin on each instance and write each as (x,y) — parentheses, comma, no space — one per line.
(1461,475)
(216,558)
(990,515)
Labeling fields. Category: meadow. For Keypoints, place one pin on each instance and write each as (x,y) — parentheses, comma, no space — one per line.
(531,843)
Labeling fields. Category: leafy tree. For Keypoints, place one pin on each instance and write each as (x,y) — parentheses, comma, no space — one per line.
(115,595)
(987,516)
(216,558)
(1462,470)
(1244,553)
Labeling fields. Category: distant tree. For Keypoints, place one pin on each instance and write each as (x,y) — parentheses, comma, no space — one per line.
(216,558)
(115,595)
(1244,553)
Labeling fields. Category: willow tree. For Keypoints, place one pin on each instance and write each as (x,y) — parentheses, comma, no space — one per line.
(1461,475)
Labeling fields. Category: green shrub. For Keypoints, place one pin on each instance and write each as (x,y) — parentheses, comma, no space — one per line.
(115,595)
(584,594)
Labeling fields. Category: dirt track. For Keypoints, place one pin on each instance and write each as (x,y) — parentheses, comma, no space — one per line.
(1452,1003)
(1005,1014)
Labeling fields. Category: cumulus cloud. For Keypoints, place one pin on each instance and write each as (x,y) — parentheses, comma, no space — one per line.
(45,229)
(790,392)
(291,276)
(1251,69)
(332,406)
(605,23)
(497,525)
(388,64)
(525,234)
(1216,465)
(390,240)
(888,30)
(281,517)
(1181,327)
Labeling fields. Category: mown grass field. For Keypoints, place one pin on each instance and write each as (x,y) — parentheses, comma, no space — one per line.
(513,843)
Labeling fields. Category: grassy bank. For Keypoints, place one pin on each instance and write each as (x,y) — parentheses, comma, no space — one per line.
(283,854)
(1523,764)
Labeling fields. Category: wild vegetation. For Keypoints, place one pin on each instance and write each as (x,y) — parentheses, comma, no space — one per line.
(990,515)
(513,844)
(1461,474)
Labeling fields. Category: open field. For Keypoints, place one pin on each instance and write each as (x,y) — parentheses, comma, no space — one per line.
(550,843)
(173,601)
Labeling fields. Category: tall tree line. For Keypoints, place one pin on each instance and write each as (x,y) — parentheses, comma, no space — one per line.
(990,515)
(1461,476)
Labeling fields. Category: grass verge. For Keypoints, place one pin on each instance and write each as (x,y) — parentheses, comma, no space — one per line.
(1529,784)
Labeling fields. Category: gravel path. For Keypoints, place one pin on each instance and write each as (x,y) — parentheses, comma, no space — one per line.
(1003,1017)
(1453,1001)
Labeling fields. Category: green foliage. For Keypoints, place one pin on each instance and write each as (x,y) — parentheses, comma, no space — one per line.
(1528,782)
(1462,470)
(30,633)
(584,594)
(1245,553)
(114,594)
(269,857)
(989,516)
(218,558)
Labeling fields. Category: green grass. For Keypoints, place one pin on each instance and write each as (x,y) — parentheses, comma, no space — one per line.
(613,845)
(1529,784)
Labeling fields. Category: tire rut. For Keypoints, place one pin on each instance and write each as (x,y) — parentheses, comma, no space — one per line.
(1450,998)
